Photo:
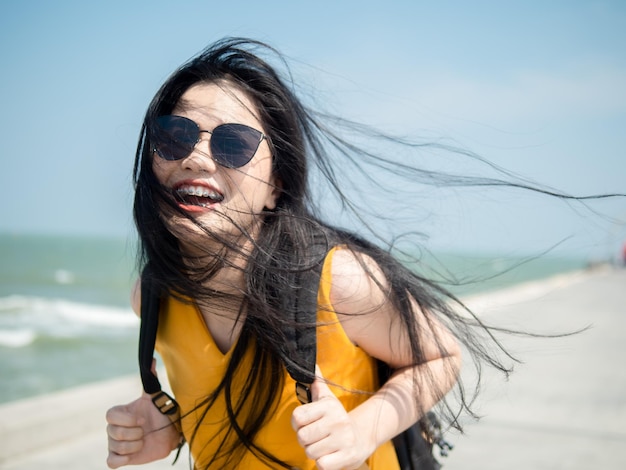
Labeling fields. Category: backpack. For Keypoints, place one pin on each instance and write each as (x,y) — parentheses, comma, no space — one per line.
(414,447)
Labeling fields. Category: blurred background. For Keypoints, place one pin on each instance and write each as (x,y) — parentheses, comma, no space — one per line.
(534,87)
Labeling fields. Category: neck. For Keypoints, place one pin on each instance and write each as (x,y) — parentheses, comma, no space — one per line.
(218,268)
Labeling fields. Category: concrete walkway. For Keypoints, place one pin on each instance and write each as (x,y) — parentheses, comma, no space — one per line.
(563,408)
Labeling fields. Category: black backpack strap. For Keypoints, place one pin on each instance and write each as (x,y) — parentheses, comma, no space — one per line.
(147,333)
(150,302)
(301,332)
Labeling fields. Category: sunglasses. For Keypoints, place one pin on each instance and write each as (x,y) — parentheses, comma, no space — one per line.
(232,145)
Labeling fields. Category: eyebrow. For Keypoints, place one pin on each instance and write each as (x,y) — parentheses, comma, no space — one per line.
(182,105)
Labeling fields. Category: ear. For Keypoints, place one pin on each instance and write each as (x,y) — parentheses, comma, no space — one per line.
(274,194)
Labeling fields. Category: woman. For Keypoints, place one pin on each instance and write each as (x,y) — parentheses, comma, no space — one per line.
(225,218)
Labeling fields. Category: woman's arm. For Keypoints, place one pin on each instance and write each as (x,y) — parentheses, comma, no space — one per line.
(370,321)
(337,439)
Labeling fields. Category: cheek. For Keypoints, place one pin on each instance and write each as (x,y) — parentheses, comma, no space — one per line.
(264,183)
(161,169)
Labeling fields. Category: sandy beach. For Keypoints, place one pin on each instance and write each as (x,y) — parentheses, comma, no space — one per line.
(563,407)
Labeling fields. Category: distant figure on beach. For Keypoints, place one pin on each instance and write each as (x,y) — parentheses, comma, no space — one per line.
(624,254)
(228,229)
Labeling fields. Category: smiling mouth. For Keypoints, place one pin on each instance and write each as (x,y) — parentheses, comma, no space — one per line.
(197,196)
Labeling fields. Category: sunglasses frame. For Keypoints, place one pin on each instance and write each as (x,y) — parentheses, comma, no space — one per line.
(191,128)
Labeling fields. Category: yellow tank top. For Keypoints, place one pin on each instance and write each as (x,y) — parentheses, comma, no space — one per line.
(196,366)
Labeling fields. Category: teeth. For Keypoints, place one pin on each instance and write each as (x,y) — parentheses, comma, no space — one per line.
(198,191)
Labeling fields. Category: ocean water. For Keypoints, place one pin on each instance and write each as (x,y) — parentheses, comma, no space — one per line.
(65,318)
(64,313)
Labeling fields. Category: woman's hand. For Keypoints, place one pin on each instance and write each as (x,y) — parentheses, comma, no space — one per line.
(327,433)
(139,433)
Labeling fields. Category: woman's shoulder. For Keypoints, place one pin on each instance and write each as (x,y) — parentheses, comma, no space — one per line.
(356,279)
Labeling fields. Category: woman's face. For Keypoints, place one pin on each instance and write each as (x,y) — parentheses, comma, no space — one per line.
(236,196)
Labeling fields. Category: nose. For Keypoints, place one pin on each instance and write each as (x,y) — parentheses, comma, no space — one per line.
(200,158)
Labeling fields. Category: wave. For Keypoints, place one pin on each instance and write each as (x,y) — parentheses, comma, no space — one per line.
(24,319)
(63,276)
(17,338)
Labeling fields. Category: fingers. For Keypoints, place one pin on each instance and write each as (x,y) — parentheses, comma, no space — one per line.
(125,447)
(125,436)
(116,461)
(320,389)
(312,412)
(123,433)
(121,415)
(315,422)
(123,444)
(325,430)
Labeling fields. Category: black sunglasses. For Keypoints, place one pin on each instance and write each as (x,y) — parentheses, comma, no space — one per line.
(232,145)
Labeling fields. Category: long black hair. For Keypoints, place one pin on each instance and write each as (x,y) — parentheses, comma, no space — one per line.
(301,140)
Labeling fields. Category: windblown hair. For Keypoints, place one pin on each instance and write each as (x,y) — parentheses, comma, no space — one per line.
(300,140)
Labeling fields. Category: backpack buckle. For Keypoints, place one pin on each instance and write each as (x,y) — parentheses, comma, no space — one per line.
(303,392)
(165,404)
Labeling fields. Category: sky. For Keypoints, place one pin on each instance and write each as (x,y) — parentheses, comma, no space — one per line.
(536,87)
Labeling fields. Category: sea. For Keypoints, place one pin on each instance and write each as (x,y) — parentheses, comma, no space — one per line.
(65,318)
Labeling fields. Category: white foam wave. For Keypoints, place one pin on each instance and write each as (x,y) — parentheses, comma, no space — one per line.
(63,276)
(17,338)
(62,318)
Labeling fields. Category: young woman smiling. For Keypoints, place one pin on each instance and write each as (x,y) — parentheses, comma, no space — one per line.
(225,215)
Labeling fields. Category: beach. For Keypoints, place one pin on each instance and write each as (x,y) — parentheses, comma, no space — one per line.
(563,407)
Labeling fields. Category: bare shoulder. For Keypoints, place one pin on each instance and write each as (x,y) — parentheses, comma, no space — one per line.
(359,297)
(357,281)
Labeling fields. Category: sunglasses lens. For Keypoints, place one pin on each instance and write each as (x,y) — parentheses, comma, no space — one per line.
(234,145)
(174,136)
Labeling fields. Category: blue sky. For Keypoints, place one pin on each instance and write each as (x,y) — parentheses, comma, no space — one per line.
(537,87)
